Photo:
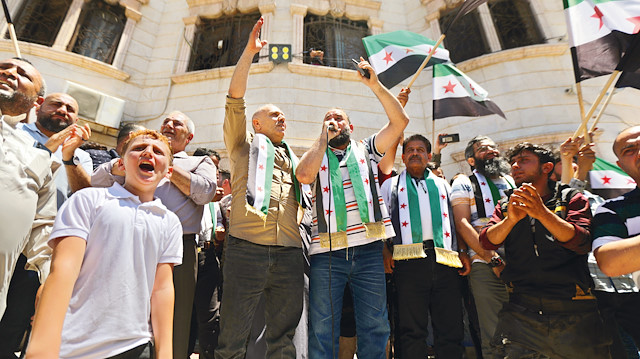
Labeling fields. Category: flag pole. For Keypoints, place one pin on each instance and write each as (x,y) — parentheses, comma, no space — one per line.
(581,103)
(12,29)
(426,61)
(585,120)
(604,105)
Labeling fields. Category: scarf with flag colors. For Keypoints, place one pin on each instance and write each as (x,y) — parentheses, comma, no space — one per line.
(333,205)
(397,55)
(455,94)
(599,33)
(490,192)
(260,177)
(416,203)
(605,175)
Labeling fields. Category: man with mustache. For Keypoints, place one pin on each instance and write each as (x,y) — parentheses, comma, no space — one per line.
(545,230)
(427,281)
(350,221)
(474,199)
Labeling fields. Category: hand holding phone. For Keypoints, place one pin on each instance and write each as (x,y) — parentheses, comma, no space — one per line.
(449,138)
(363,72)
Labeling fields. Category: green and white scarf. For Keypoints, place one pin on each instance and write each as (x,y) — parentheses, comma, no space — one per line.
(420,203)
(490,192)
(333,204)
(260,178)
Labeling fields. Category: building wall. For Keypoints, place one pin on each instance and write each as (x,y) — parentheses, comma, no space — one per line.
(533,85)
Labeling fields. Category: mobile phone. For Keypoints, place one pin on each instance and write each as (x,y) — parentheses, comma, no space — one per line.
(449,138)
(363,72)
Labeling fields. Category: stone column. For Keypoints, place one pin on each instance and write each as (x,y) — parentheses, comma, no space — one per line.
(133,17)
(13,6)
(69,25)
(489,29)
(298,12)
(267,10)
(433,26)
(182,62)
(375,25)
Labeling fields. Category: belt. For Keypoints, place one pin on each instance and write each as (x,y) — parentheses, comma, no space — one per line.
(190,236)
(542,305)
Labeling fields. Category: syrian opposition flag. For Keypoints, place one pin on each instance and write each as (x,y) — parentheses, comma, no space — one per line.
(630,66)
(605,175)
(599,33)
(397,55)
(455,94)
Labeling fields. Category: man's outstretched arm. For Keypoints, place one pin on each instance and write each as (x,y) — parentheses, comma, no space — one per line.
(238,85)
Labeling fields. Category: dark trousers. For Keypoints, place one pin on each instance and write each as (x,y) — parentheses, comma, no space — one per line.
(251,270)
(144,351)
(426,288)
(207,302)
(20,307)
(621,310)
(184,283)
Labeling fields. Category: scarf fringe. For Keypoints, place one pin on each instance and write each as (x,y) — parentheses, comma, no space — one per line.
(448,258)
(408,251)
(251,209)
(338,239)
(375,230)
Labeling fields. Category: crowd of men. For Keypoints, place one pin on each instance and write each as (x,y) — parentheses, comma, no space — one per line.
(278,238)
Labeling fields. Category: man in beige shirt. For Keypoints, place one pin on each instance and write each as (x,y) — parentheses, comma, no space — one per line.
(263,252)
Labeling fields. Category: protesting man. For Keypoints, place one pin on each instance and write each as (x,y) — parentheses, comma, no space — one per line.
(545,231)
(474,198)
(262,255)
(426,262)
(349,222)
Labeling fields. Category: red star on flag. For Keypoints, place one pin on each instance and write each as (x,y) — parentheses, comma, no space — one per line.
(606,180)
(387,56)
(473,90)
(326,189)
(598,15)
(259,189)
(449,87)
(328,211)
(370,202)
(487,200)
(445,215)
(261,167)
(366,181)
(405,223)
(443,196)
(403,206)
(262,147)
(630,181)
(636,23)
(447,234)
(323,168)
(408,50)
(483,184)
(362,160)
(401,189)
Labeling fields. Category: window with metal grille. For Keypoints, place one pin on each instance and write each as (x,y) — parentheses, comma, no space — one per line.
(220,42)
(38,21)
(515,23)
(99,31)
(339,38)
(465,39)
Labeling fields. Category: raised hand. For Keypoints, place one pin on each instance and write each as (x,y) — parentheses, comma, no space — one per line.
(254,44)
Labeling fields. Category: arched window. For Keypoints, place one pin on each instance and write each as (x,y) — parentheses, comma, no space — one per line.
(39,21)
(339,38)
(220,42)
(465,39)
(515,23)
(99,31)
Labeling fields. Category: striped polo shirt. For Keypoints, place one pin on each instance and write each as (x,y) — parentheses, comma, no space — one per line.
(617,219)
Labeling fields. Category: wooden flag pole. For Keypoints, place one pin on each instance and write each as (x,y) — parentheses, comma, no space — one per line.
(580,101)
(426,61)
(585,120)
(604,105)
(433,132)
(12,29)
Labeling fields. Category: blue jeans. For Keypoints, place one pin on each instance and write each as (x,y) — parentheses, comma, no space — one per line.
(361,267)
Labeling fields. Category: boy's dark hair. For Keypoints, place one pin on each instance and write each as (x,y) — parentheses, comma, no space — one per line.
(203,151)
(224,175)
(417,137)
(126,129)
(468,151)
(543,153)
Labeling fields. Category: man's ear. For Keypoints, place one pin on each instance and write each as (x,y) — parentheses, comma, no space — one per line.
(547,167)
(169,173)
(120,164)
(471,161)
(350,128)
(189,138)
(429,156)
(256,125)
(38,102)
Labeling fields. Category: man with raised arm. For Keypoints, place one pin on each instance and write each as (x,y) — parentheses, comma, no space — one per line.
(263,253)
(350,221)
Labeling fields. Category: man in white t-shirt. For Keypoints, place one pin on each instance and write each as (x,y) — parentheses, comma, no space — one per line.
(474,198)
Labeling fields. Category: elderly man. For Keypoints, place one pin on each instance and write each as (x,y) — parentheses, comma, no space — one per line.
(192,185)
(474,198)
(263,251)
(350,221)
(425,245)
(56,128)
(544,228)
(27,188)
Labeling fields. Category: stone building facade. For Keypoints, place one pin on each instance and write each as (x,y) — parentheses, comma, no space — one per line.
(145,58)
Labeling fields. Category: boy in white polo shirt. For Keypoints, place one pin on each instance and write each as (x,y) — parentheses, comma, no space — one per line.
(110,291)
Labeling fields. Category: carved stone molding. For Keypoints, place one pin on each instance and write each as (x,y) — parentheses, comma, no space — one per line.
(217,73)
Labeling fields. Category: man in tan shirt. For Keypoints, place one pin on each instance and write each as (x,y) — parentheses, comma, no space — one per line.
(263,253)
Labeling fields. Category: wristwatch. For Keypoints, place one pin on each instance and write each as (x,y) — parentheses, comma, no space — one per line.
(74,161)
(496,262)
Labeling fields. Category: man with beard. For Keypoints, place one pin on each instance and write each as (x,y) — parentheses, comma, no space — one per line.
(56,128)
(28,197)
(349,222)
(474,199)
(544,228)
